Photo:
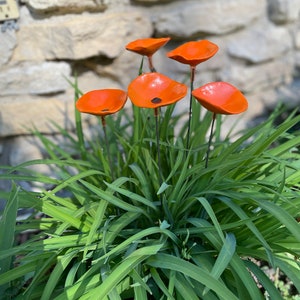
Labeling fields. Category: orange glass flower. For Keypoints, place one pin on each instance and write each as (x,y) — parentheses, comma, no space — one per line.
(153,90)
(221,98)
(102,102)
(147,46)
(194,52)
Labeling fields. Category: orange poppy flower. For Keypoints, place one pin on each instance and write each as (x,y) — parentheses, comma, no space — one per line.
(194,52)
(153,90)
(147,46)
(221,98)
(102,102)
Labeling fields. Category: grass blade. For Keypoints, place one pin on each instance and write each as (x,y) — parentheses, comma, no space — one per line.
(7,231)
(121,271)
(165,261)
(224,257)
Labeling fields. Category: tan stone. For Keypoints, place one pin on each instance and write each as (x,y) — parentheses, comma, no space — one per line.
(8,42)
(151,1)
(80,36)
(90,80)
(297,59)
(260,43)
(19,114)
(289,94)
(297,38)
(257,77)
(34,78)
(183,19)
(284,11)
(23,149)
(69,5)
(120,72)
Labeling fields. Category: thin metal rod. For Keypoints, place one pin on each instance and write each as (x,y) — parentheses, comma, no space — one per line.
(156,114)
(210,139)
(192,78)
(150,62)
(107,147)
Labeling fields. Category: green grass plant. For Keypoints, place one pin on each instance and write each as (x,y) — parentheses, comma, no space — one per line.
(147,211)
(104,238)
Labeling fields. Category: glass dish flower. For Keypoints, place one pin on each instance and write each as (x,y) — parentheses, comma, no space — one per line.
(153,90)
(221,98)
(147,46)
(194,52)
(102,102)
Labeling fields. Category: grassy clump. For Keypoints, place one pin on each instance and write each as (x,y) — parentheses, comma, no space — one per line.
(195,236)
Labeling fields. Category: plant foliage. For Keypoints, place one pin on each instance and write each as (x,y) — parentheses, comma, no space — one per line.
(197,235)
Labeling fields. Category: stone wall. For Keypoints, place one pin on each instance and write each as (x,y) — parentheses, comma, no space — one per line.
(259,44)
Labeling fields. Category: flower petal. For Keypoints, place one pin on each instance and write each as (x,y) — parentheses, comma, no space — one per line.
(147,46)
(221,98)
(194,52)
(151,90)
(102,102)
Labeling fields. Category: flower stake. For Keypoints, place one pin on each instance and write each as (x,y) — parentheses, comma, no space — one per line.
(145,47)
(220,98)
(193,53)
(102,103)
(154,90)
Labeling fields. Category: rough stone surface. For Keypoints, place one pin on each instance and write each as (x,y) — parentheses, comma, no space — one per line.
(260,43)
(297,59)
(19,114)
(69,5)
(282,11)
(297,39)
(21,149)
(121,71)
(89,81)
(259,77)
(151,1)
(290,94)
(8,42)
(183,19)
(80,36)
(32,78)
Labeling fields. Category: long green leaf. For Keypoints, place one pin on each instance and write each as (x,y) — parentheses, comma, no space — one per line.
(98,220)
(185,288)
(131,195)
(283,216)
(243,216)
(160,283)
(64,215)
(212,216)
(145,185)
(7,230)
(165,261)
(111,198)
(237,265)
(224,257)
(17,272)
(56,274)
(264,281)
(140,286)
(121,271)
